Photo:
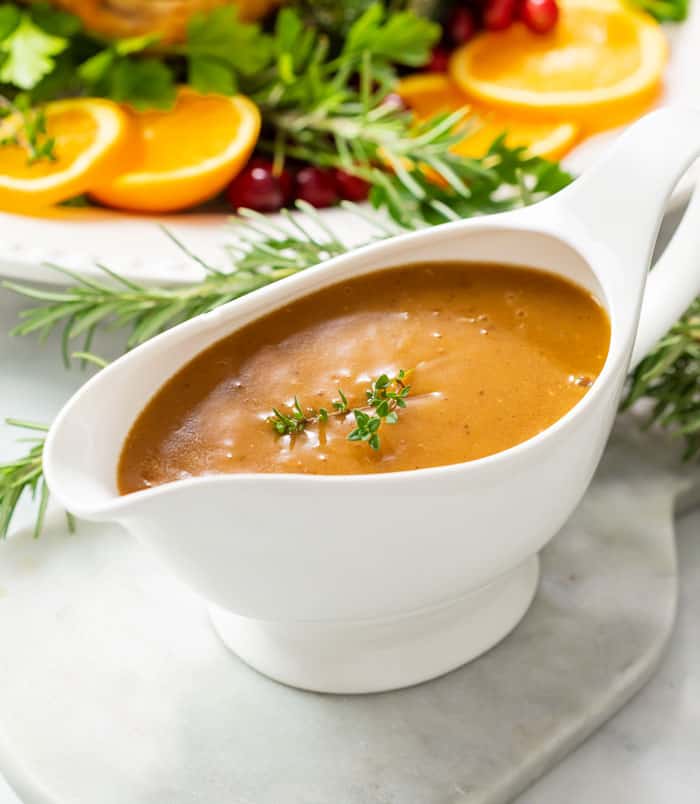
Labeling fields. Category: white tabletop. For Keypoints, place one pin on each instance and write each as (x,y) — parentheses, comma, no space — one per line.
(646,754)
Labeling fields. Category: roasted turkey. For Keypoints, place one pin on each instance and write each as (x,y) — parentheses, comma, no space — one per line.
(122,18)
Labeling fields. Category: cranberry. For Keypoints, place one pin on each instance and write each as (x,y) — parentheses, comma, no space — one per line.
(461,25)
(540,16)
(439,60)
(499,14)
(257,187)
(316,186)
(351,188)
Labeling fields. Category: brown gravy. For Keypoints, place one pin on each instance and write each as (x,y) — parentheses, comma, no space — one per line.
(498,354)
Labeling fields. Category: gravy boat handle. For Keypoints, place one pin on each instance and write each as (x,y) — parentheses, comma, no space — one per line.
(621,202)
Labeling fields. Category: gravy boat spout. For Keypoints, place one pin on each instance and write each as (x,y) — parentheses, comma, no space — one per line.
(372,582)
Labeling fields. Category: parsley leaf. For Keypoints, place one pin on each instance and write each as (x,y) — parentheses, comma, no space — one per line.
(27,54)
(207,75)
(9,20)
(142,82)
(55,22)
(401,38)
(219,48)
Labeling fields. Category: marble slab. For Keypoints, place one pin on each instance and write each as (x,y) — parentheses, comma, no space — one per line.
(114,688)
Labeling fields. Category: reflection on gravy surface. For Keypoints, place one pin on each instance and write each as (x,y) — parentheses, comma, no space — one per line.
(498,354)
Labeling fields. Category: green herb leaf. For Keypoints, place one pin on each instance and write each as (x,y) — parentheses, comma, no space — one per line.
(9,20)
(54,21)
(209,75)
(402,37)
(28,54)
(219,48)
(29,132)
(144,83)
(96,68)
(665,10)
(135,44)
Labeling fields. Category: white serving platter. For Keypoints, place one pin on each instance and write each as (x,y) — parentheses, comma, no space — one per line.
(136,247)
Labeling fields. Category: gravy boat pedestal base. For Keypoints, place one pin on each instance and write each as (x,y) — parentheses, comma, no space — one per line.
(384,654)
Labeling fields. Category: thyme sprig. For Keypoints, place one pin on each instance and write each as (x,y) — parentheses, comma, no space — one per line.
(385,397)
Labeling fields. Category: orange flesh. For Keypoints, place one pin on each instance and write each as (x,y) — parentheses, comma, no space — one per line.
(185,155)
(498,354)
(433,93)
(575,56)
(170,142)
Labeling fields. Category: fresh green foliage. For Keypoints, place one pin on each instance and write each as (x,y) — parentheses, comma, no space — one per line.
(336,110)
(261,256)
(665,10)
(28,51)
(30,134)
(506,178)
(219,49)
(669,377)
(115,73)
(327,104)
(385,397)
(23,474)
(297,420)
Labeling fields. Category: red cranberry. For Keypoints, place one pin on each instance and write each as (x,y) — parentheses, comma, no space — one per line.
(257,187)
(540,16)
(499,14)
(461,25)
(439,60)
(351,188)
(316,186)
(286,181)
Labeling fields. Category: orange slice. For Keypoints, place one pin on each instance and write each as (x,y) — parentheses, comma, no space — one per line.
(90,137)
(186,155)
(601,65)
(431,93)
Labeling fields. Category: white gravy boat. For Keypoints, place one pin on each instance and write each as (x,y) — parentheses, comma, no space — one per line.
(372,582)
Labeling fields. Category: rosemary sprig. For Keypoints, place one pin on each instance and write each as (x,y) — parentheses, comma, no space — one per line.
(669,377)
(265,253)
(28,130)
(25,474)
(338,110)
(385,396)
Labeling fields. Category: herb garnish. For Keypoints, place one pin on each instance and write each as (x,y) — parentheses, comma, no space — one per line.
(29,131)
(669,376)
(665,10)
(385,396)
(24,474)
